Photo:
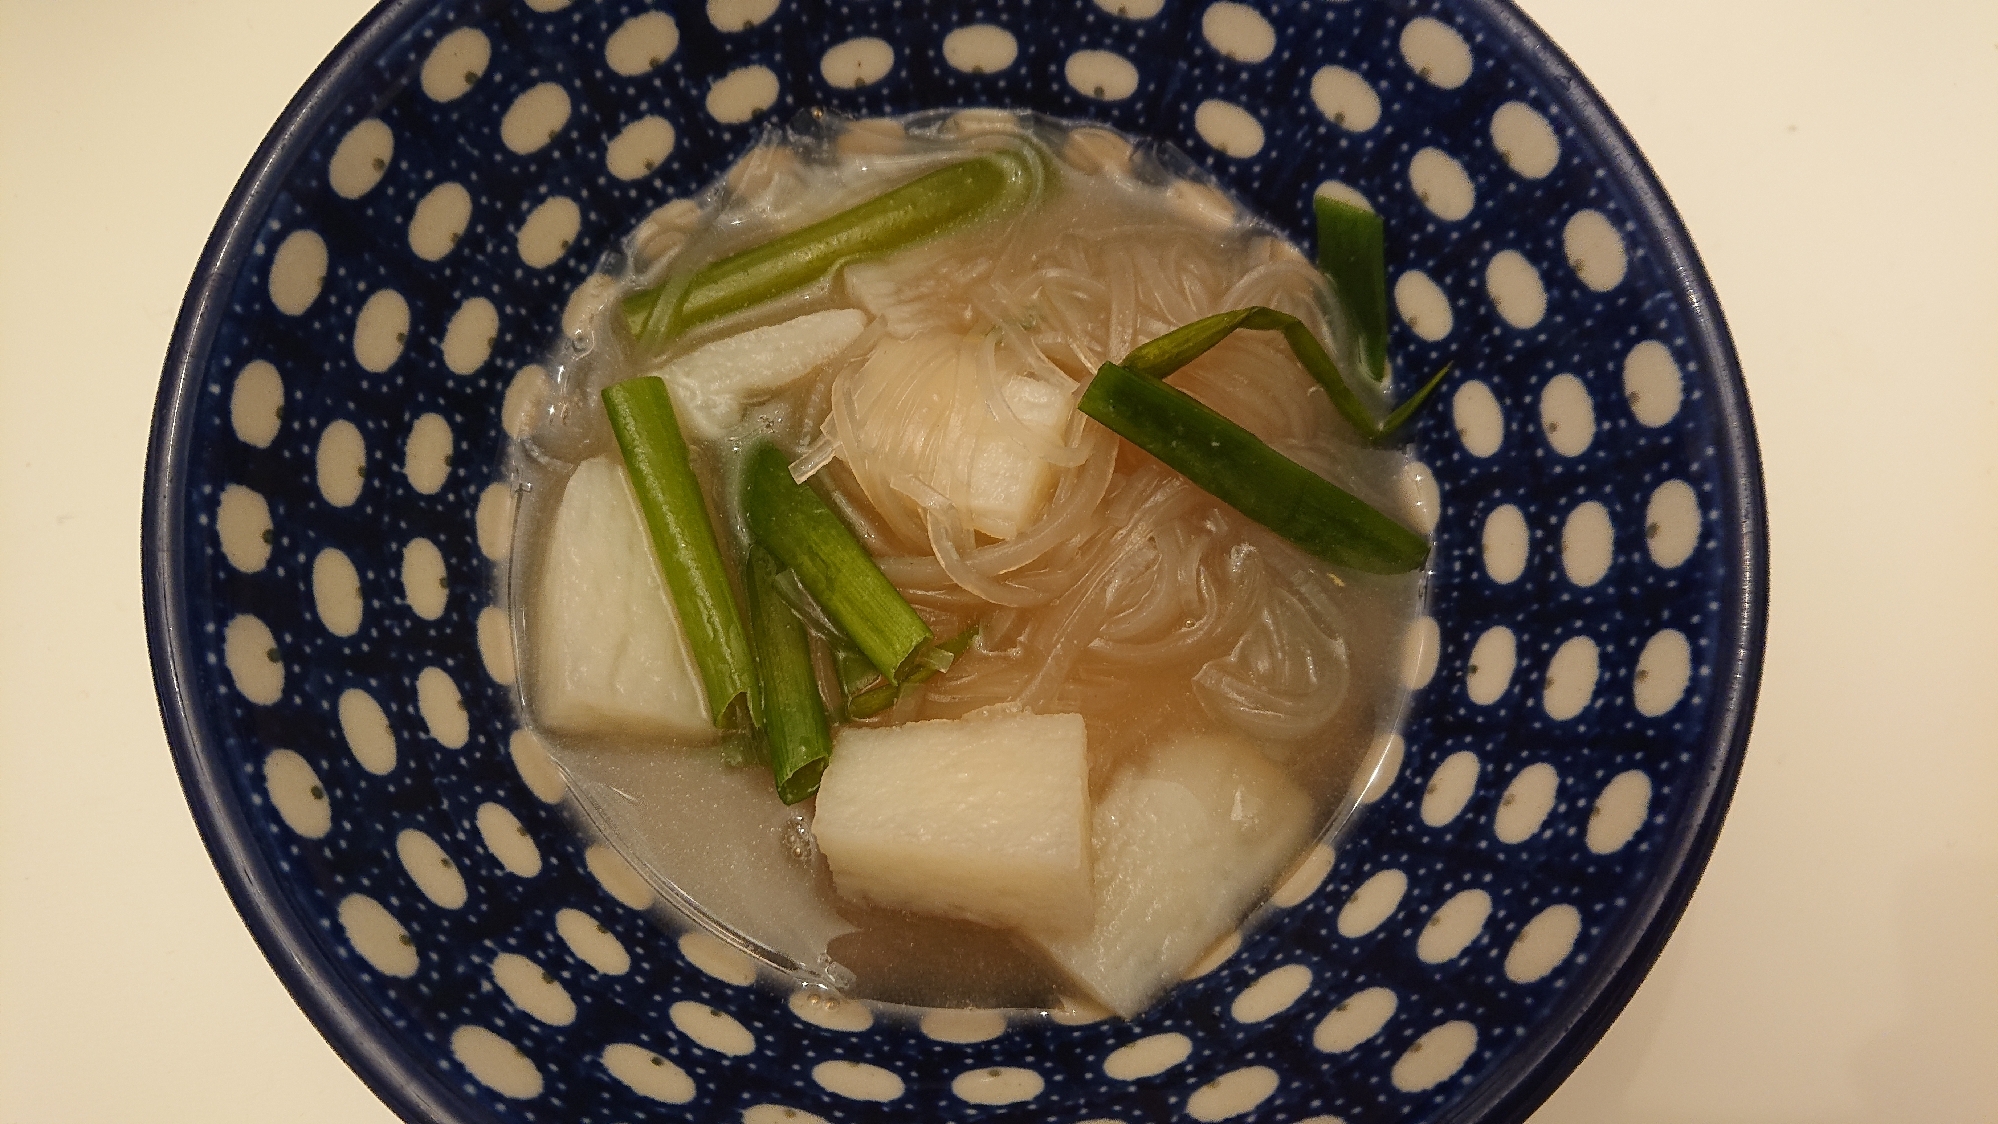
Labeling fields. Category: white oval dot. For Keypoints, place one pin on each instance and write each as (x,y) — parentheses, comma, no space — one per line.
(742,94)
(430,868)
(341,464)
(1147,1057)
(1587,544)
(443,708)
(1101,75)
(1595,250)
(779,1114)
(1436,52)
(455,64)
(1422,305)
(1344,193)
(1543,943)
(857,1081)
(497,1063)
(640,148)
(579,313)
(712,1029)
(1479,420)
(533,989)
(1271,995)
(1388,766)
(1419,653)
(336,592)
(1374,902)
(440,219)
(1441,183)
(366,731)
(980,49)
(1505,543)
(361,159)
(494,522)
(642,43)
(1229,128)
(548,231)
(648,1074)
(243,524)
(1232,1093)
(426,456)
(1345,99)
(377,936)
(1652,384)
(592,943)
(1619,812)
(537,770)
(1454,925)
(1238,31)
(495,635)
(1515,289)
(717,958)
(1305,879)
(1672,523)
(298,272)
(963,1025)
(1132,9)
(1450,788)
(1526,802)
(826,1010)
(381,329)
(508,840)
(1359,1017)
(1525,140)
(535,118)
(1492,660)
(996,1085)
(424,584)
(619,880)
(1567,415)
(1571,680)
(1216,955)
(1435,1057)
(1664,669)
(739,15)
(469,337)
(256,404)
(857,62)
(296,793)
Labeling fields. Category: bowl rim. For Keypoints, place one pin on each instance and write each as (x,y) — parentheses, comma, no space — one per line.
(1506,1095)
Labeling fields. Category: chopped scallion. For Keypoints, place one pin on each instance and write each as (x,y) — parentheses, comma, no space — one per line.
(792,522)
(1352,253)
(1236,467)
(794,718)
(879,694)
(683,542)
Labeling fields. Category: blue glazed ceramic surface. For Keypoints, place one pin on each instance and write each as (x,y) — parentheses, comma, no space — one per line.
(323,534)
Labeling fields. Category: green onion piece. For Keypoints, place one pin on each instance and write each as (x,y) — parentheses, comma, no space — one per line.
(794,719)
(1168,353)
(932,661)
(1351,252)
(1237,468)
(792,522)
(918,210)
(683,542)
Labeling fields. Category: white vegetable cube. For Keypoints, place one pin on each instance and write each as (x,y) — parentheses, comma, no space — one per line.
(608,654)
(1009,483)
(1185,843)
(980,818)
(712,384)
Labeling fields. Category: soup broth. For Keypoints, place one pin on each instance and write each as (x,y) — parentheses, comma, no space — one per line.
(933,407)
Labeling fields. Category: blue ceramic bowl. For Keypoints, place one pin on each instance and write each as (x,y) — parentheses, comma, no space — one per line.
(332,417)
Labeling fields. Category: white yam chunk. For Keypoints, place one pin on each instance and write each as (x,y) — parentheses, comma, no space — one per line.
(1185,843)
(1009,483)
(980,818)
(712,384)
(608,653)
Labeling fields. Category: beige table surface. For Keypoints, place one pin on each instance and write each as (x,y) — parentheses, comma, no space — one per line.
(1837,164)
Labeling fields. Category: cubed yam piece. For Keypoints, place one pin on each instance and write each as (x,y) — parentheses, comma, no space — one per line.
(608,655)
(1009,483)
(984,818)
(1186,841)
(712,384)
